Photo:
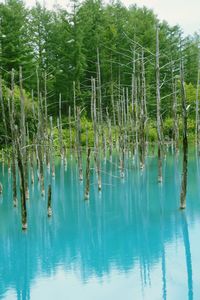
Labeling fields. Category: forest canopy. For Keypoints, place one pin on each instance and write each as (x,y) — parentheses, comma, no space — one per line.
(66,46)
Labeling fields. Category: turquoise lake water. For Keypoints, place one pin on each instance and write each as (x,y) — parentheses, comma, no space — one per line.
(129,242)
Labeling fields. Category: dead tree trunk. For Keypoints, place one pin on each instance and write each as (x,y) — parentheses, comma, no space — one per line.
(40,137)
(96,135)
(70,131)
(78,142)
(87,188)
(22,181)
(49,208)
(132,120)
(46,135)
(74,92)
(109,134)
(86,139)
(136,114)
(159,133)
(121,139)
(104,143)
(40,140)
(62,148)
(113,105)
(197,112)
(142,144)
(32,148)
(185,141)
(4,117)
(12,124)
(52,151)
(1,189)
(175,116)
(23,133)
(3,108)
(100,116)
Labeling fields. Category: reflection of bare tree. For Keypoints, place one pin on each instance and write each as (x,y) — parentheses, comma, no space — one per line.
(164,289)
(187,255)
(198,169)
(164,281)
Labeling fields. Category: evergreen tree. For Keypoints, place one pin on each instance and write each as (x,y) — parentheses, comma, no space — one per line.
(15,44)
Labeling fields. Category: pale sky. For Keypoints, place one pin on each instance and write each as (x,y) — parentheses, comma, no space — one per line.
(186,13)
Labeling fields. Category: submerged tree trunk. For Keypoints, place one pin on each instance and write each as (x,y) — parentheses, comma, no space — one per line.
(1,188)
(49,209)
(4,122)
(23,132)
(159,134)
(142,145)
(59,122)
(22,182)
(136,115)
(96,134)
(78,140)
(87,187)
(12,118)
(52,156)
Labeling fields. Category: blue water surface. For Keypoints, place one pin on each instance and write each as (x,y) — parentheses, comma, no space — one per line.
(129,242)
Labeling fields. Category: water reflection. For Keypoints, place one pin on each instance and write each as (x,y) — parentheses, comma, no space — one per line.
(187,255)
(133,229)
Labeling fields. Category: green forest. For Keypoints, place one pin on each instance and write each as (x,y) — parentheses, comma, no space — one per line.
(63,50)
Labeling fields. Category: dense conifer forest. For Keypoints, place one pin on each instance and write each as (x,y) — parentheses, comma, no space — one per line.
(65,49)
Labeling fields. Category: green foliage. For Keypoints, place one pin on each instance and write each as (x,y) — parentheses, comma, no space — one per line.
(15,45)
(63,45)
(168,128)
(191,99)
(27,107)
(152,134)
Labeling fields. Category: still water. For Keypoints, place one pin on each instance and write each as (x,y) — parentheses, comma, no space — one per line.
(128,242)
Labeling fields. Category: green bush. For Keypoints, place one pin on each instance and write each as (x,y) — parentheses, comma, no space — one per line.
(168,128)
(152,134)
(27,106)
